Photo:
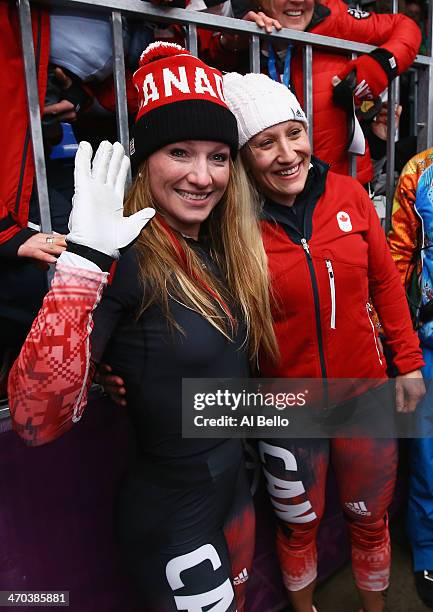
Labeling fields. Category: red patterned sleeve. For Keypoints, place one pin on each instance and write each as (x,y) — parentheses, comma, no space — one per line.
(49,382)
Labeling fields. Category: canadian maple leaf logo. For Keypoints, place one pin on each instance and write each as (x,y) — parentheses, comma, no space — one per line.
(343,219)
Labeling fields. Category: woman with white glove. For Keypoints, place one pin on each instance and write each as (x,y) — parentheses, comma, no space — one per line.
(189,298)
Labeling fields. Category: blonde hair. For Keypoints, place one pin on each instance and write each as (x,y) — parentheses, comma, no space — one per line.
(169,267)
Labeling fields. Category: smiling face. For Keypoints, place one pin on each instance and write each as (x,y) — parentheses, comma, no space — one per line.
(187,180)
(279,159)
(294,14)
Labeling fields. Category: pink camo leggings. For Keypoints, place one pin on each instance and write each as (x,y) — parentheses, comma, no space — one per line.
(365,469)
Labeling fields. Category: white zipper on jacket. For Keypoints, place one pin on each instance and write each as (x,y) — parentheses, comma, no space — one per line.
(368,309)
(332,290)
(305,246)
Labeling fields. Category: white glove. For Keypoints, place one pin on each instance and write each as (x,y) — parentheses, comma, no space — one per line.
(97,220)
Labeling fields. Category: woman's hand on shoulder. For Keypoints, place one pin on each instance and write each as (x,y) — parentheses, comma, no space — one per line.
(409,391)
(97,219)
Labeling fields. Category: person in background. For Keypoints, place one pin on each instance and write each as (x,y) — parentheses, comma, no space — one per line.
(417,10)
(336,79)
(410,240)
(22,285)
(189,298)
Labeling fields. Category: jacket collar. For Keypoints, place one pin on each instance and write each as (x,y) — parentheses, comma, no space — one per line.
(320,13)
(307,199)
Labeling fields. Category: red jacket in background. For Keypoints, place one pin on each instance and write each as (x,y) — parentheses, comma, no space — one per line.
(16,177)
(396,33)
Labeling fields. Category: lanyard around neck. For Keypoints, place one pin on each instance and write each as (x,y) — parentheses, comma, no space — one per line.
(272,65)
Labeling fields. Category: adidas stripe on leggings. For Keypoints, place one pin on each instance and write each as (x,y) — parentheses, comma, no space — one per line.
(365,471)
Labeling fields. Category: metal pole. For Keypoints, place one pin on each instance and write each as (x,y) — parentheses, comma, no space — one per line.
(119,82)
(425,106)
(192,39)
(413,101)
(352,156)
(391,135)
(34,113)
(390,154)
(425,93)
(393,98)
(255,53)
(397,79)
(307,62)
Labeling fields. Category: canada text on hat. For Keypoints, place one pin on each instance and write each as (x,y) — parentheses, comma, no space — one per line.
(180,98)
(166,77)
(258,103)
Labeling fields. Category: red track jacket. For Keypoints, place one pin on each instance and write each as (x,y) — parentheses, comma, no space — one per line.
(323,279)
(16,177)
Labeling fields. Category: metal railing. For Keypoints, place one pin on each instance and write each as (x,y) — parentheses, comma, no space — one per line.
(192,20)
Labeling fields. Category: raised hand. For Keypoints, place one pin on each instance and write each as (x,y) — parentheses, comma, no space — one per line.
(371,74)
(97,219)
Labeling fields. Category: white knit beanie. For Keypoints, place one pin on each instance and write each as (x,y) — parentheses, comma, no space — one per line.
(258,102)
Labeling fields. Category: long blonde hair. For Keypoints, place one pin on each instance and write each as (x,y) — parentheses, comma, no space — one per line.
(169,267)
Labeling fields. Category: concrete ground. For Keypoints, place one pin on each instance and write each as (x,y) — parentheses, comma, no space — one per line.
(338,594)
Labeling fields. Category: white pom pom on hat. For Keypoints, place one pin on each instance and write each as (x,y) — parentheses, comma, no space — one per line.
(160,50)
(258,103)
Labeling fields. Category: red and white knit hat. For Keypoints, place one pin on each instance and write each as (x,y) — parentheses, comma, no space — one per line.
(180,98)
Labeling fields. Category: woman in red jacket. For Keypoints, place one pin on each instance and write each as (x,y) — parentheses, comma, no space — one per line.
(397,37)
(327,258)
